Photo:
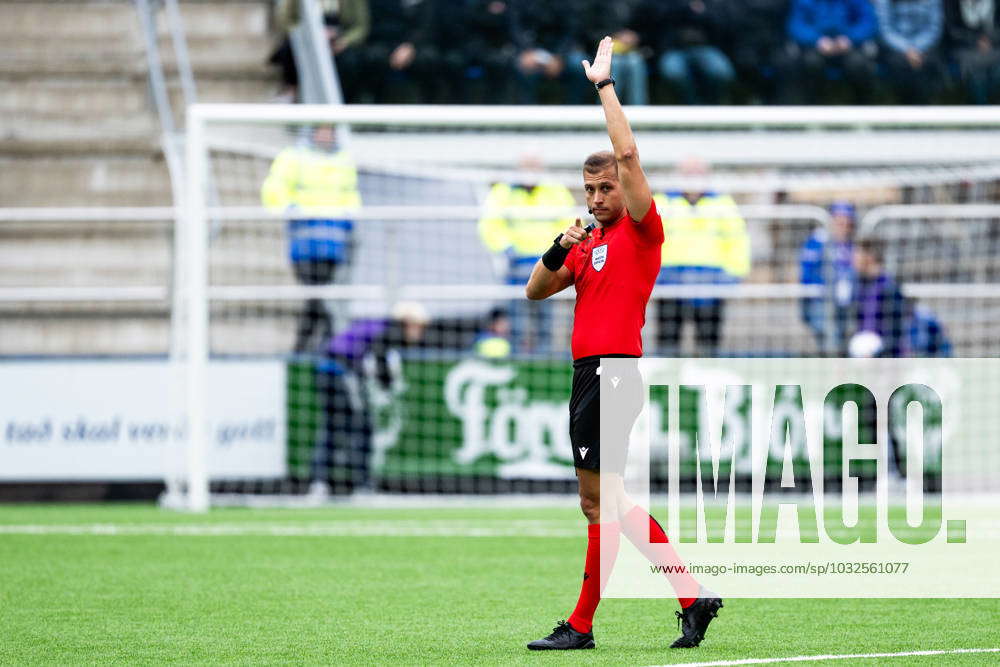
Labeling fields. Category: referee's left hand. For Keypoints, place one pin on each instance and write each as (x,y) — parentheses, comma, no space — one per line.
(601,69)
(574,235)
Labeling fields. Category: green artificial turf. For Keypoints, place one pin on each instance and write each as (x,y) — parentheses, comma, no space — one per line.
(321,599)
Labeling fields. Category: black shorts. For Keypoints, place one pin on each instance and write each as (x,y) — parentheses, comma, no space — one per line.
(585,414)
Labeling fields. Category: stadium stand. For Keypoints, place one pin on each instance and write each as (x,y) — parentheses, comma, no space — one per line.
(78,124)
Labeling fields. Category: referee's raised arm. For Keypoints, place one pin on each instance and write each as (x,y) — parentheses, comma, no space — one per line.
(634,185)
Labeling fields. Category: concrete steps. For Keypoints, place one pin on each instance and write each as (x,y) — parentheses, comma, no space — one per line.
(70,97)
(78,129)
(107,19)
(43,57)
(62,179)
(97,332)
(85,255)
(83,61)
(75,86)
(136,135)
(67,116)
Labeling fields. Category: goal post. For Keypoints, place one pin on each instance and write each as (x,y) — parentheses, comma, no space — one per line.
(424,177)
(191,347)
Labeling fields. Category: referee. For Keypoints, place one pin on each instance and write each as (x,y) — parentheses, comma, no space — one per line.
(614,270)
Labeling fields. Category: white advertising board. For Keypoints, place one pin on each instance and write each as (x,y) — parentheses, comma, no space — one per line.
(118,421)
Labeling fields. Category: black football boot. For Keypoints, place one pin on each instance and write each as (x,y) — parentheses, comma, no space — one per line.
(693,621)
(563,638)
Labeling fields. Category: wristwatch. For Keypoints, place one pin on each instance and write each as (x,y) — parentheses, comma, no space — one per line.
(607,82)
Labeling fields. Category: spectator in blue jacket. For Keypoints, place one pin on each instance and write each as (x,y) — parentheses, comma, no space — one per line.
(827,255)
(927,336)
(831,38)
(910,31)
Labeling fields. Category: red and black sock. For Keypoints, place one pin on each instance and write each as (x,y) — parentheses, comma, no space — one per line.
(648,537)
(601,556)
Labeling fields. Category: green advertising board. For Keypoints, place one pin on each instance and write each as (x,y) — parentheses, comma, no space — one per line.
(509,419)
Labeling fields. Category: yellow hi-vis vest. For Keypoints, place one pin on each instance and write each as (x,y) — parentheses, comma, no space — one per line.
(711,233)
(525,236)
(493,347)
(308,179)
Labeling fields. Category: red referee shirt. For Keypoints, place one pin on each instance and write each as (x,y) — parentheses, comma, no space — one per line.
(614,272)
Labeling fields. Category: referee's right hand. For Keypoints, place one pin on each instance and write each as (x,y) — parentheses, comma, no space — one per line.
(573,235)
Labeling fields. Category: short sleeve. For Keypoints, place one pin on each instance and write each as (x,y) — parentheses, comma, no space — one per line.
(650,228)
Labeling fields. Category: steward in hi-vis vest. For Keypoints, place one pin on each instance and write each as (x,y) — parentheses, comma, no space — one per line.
(315,176)
(517,238)
(707,244)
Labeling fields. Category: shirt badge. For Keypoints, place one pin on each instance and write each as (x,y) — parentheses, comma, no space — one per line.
(598,257)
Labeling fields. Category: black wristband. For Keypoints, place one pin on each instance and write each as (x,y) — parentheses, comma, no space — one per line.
(607,82)
(555,256)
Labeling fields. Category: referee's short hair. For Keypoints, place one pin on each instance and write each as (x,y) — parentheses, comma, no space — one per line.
(599,161)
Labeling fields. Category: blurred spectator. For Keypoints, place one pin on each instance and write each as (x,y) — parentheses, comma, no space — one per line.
(517,238)
(888,324)
(316,174)
(476,39)
(828,255)
(494,341)
(756,36)
(347,24)
(881,326)
(684,35)
(972,31)
(708,245)
(397,56)
(628,67)
(927,337)
(830,38)
(910,31)
(365,353)
(544,34)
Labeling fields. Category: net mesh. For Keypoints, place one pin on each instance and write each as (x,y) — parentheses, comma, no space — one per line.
(393,306)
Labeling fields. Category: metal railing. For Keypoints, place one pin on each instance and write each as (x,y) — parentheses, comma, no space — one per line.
(317,68)
(318,82)
(873,218)
(383,214)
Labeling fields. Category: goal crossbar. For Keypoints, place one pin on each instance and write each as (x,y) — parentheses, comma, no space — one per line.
(434,116)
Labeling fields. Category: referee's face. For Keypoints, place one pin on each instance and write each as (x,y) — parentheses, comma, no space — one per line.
(604,195)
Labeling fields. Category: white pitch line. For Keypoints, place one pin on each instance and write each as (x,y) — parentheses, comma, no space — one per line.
(538,528)
(821,658)
(353,528)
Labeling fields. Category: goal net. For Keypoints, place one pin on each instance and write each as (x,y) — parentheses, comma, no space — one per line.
(351,279)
